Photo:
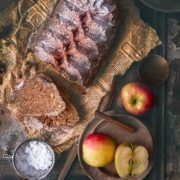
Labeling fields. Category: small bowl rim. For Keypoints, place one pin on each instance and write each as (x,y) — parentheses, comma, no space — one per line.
(31,140)
(160,9)
(152,83)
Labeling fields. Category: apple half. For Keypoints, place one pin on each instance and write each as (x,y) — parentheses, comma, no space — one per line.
(131,160)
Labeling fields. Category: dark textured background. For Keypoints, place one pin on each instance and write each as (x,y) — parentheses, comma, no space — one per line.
(164,119)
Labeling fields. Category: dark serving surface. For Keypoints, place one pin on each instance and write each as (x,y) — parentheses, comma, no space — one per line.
(164,119)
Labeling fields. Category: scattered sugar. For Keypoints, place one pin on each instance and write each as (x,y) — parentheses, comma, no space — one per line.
(11,136)
(33,159)
(10,132)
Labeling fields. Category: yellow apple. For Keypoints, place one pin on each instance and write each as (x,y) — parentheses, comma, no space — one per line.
(123,157)
(131,160)
(140,160)
(98,150)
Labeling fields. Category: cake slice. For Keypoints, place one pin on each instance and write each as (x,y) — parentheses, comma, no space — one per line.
(68,118)
(38,96)
(38,103)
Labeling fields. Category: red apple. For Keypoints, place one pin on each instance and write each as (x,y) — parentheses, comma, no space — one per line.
(98,150)
(137,98)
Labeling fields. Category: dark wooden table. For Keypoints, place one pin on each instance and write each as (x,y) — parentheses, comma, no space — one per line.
(164,119)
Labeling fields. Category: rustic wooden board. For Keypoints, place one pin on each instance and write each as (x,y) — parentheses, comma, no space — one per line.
(157,118)
(164,122)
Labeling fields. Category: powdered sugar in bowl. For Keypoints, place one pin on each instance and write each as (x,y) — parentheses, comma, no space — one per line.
(33,159)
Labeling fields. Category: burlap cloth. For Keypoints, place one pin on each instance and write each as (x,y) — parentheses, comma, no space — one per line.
(25,19)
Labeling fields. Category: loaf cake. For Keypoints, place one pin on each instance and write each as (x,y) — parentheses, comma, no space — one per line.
(38,103)
(76,39)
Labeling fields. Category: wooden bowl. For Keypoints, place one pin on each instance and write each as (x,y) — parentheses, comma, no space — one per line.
(142,136)
(168,6)
(154,70)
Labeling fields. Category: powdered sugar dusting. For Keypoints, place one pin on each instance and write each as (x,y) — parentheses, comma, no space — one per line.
(34,159)
(85,27)
(10,132)
(38,155)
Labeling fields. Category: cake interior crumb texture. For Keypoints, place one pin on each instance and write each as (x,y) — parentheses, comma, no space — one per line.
(38,97)
(39,104)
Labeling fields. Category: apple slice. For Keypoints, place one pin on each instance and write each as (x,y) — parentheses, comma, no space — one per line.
(140,160)
(123,158)
(131,160)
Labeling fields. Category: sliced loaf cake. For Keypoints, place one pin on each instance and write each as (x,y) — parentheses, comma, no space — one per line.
(38,103)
